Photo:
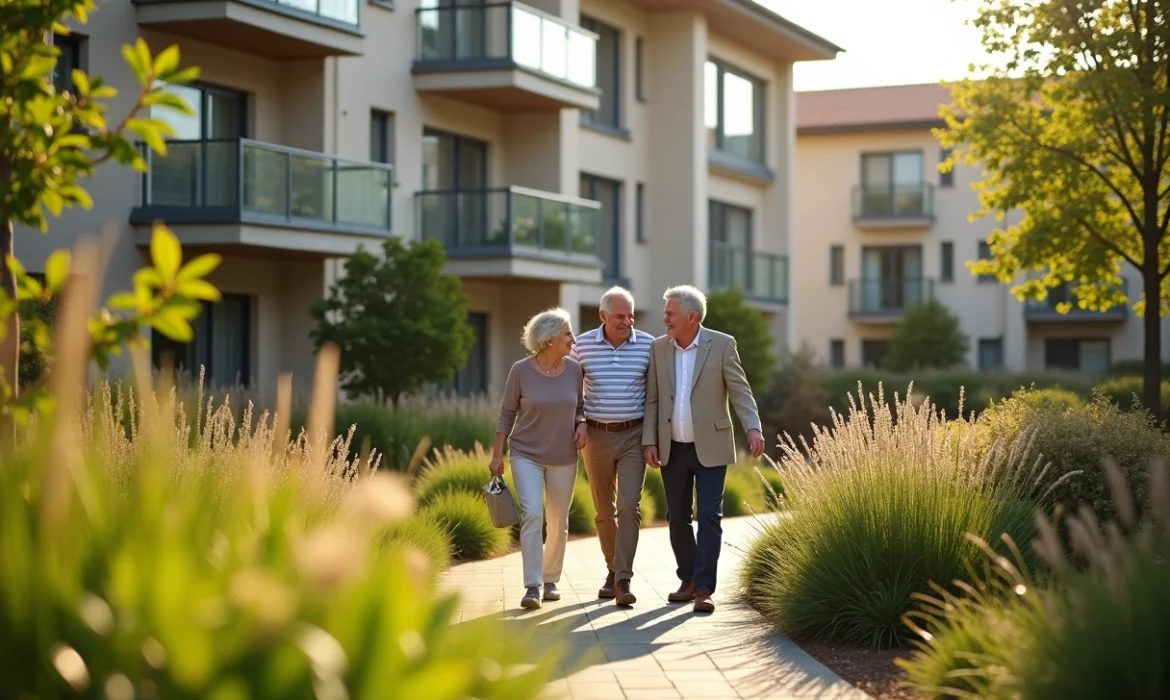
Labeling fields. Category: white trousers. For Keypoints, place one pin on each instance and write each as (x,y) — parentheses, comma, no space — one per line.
(543,561)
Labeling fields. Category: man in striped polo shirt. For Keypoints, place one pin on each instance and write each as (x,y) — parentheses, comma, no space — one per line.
(615,359)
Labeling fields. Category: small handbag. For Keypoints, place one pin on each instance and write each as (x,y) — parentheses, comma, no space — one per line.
(501,505)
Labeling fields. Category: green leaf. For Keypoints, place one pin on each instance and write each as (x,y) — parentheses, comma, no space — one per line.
(126,301)
(184,76)
(165,252)
(172,324)
(199,289)
(141,70)
(199,267)
(148,277)
(149,133)
(57,270)
(81,82)
(15,266)
(167,62)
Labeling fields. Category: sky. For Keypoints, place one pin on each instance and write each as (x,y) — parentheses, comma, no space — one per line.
(886,42)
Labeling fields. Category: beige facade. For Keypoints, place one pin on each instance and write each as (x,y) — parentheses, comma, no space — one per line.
(879,228)
(555,148)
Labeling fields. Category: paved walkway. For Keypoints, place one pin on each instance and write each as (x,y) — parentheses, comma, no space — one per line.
(654,649)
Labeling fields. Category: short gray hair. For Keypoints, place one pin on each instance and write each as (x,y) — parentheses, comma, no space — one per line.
(690,299)
(544,327)
(616,293)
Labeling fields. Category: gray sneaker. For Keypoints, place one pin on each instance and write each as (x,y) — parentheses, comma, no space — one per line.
(531,599)
(551,592)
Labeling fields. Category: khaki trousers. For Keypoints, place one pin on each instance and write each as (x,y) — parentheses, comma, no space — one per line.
(617,472)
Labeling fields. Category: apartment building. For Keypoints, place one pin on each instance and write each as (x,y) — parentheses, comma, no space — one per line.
(554,147)
(880,229)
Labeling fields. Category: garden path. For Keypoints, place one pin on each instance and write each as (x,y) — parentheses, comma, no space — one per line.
(654,649)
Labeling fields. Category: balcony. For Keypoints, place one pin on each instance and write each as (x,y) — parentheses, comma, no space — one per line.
(885,300)
(893,206)
(241,194)
(505,56)
(513,232)
(763,277)
(278,29)
(1045,310)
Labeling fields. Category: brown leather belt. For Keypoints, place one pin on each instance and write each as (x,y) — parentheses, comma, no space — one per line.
(614,427)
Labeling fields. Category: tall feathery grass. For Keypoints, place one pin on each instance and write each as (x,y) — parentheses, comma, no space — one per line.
(1098,632)
(243,566)
(879,507)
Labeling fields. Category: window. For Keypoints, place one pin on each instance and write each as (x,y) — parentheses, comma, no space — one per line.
(609,68)
(990,354)
(381,137)
(201,167)
(455,164)
(836,353)
(218,113)
(891,279)
(639,70)
(945,179)
(733,110)
(729,232)
(873,352)
(609,222)
(837,265)
(69,60)
(985,254)
(640,212)
(891,185)
(1078,355)
(946,263)
(472,380)
(222,343)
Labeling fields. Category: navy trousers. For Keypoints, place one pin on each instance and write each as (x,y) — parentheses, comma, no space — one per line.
(683,476)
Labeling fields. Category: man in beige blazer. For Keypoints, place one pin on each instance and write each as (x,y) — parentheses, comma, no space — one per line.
(694,374)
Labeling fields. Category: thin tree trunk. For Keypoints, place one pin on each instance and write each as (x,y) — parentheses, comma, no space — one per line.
(10,345)
(1151,328)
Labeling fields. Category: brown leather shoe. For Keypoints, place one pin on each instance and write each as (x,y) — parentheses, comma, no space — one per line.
(606,590)
(684,593)
(624,597)
(703,602)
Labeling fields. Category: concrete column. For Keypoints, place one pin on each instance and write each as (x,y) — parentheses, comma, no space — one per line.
(1015,334)
(778,216)
(676,51)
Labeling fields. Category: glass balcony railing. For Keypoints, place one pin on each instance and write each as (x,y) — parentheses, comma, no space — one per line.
(761,276)
(893,201)
(1046,309)
(888,296)
(507,221)
(508,33)
(249,181)
(346,13)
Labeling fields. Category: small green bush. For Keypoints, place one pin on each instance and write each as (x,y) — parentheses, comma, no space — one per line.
(1077,440)
(452,471)
(465,519)
(655,489)
(928,336)
(1133,368)
(582,514)
(1101,632)
(424,533)
(648,506)
(878,510)
(1126,392)
(1053,400)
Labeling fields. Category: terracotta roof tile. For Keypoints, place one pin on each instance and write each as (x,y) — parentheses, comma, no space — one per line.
(833,110)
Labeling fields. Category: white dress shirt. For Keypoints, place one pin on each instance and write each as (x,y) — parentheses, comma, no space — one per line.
(682,424)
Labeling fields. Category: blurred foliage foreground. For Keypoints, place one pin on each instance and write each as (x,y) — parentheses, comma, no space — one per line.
(148,554)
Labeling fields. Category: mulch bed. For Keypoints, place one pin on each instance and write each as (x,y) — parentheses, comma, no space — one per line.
(873,672)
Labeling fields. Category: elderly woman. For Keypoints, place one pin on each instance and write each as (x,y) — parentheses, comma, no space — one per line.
(542,418)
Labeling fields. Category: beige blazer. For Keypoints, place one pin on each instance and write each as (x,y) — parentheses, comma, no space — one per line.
(718,381)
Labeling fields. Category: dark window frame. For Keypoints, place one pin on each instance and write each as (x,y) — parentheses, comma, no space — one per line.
(589,185)
(983,252)
(760,118)
(879,346)
(719,210)
(639,70)
(72,49)
(836,353)
(946,263)
(248,302)
(385,122)
(640,212)
(456,171)
(891,155)
(1078,340)
(836,265)
(996,342)
(206,90)
(946,179)
(591,117)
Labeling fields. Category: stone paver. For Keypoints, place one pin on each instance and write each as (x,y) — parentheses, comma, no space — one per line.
(654,650)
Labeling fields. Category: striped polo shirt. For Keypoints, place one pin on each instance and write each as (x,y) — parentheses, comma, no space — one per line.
(615,378)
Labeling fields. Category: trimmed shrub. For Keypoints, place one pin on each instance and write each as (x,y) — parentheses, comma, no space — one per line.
(928,336)
(655,490)
(1052,400)
(1076,440)
(453,471)
(878,510)
(422,532)
(1101,632)
(582,514)
(465,519)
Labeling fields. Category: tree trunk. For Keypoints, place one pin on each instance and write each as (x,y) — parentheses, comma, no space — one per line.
(1151,328)
(10,345)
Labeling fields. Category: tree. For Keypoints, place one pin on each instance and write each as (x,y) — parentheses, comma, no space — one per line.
(797,400)
(729,312)
(51,140)
(399,322)
(1074,135)
(928,337)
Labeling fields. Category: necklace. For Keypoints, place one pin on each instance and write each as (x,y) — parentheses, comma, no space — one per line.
(547,371)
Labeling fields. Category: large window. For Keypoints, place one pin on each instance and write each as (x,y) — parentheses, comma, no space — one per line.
(733,111)
(454,163)
(836,265)
(222,343)
(609,71)
(729,228)
(204,169)
(472,380)
(892,184)
(381,137)
(946,264)
(1077,354)
(69,60)
(891,278)
(990,354)
(609,223)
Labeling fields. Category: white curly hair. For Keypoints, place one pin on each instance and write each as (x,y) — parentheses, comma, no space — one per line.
(544,327)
